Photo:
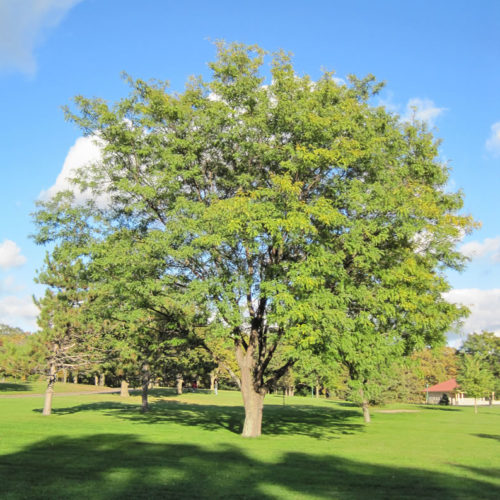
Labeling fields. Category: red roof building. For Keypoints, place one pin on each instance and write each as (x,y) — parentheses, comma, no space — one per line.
(445,392)
(448,386)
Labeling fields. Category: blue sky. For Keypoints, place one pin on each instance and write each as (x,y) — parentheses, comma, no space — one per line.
(442,57)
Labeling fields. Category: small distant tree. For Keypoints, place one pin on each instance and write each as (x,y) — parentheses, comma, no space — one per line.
(487,346)
(68,339)
(17,353)
(474,378)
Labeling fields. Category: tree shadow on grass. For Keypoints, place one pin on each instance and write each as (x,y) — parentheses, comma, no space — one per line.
(122,466)
(11,387)
(311,421)
(496,437)
(493,472)
(440,408)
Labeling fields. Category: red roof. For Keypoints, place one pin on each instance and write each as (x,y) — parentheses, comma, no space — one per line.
(447,386)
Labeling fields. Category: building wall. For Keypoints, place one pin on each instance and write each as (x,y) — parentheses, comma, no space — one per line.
(458,399)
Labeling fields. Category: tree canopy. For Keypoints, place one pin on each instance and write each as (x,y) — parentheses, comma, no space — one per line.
(289,214)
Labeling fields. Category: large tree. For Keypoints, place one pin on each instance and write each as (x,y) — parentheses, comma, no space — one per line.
(291,212)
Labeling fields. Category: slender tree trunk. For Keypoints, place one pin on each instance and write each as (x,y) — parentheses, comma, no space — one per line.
(317,390)
(65,375)
(146,375)
(212,380)
(475,405)
(75,378)
(365,404)
(253,399)
(102,379)
(47,407)
(124,389)
(96,380)
(180,382)
(366,412)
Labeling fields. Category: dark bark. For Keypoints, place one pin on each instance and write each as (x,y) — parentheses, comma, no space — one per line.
(145,378)
(365,404)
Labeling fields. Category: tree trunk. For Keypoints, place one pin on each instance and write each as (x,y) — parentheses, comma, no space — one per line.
(212,380)
(124,389)
(365,404)
(253,399)
(96,380)
(146,375)
(475,405)
(180,382)
(75,378)
(366,411)
(102,379)
(65,375)
(47,407)
(317,390)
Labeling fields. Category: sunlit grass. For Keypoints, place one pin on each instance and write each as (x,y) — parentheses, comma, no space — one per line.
(102,447)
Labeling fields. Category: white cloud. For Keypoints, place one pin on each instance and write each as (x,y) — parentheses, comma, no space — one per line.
(489,247)
(484,306)
(18,311)
(9,285)
(22,26)
(423,110)
(493,142)
(84,152)
(10,255)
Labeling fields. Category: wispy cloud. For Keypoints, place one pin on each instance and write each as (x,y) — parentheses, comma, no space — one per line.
(490,247)
(10,255)
(493,142)
(484,306)
(18,311)
(9,285)
(423,110)
(23,23)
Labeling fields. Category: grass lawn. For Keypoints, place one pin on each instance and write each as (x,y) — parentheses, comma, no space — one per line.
(15,388)
(102,447)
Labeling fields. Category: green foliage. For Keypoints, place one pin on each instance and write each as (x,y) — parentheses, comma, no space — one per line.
(19,355)
(288,216)
(435,365)
(474,377)
(485,345)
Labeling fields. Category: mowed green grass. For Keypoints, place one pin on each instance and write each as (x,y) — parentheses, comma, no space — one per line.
(15,388)
(102,447)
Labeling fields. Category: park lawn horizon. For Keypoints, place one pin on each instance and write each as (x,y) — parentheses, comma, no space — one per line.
(188,446)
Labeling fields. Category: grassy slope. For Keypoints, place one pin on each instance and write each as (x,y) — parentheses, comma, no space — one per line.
(100,447)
